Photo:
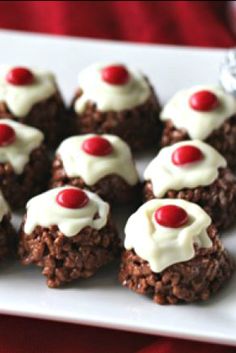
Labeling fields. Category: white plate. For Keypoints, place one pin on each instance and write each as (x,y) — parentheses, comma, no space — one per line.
(102,301)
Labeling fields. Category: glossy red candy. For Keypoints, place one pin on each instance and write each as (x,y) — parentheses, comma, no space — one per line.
(186,154)
(171,216)
(97,146)
(72,198)
(20,76)
(7,135)
(115,74)
(203,101)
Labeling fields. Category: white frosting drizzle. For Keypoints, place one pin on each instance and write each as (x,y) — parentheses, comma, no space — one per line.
(21,99)
(44,211)
(165,176)
(198,124)
(111,97)
(91,169)
(18,153)
(4,208)
(162,246)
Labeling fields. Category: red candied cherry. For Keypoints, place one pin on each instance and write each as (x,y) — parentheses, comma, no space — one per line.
(171,216)
(186,154)
(203,101)
(7,135)
(20,76)
(115,74)
(72,198)
(97,146)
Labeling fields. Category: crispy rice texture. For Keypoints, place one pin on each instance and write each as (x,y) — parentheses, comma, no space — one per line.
(64,259)
(7,238)
(185,282)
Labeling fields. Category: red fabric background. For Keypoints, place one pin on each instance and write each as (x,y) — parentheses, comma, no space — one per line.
(200,23)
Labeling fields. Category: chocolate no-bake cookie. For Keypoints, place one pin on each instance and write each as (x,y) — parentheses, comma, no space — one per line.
(116,100)
(77,238)
(171,271)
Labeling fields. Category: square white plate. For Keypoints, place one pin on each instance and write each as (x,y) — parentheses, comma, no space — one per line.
(101,300)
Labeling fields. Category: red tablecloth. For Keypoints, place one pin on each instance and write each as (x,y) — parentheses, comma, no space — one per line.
(201,23)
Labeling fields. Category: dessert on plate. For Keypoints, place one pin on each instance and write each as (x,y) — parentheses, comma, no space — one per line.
(24,162)
(206,113)
(100,163)
(173,253)
(7,232)
(116,99)
(31,96)
(71,237)
(196,172)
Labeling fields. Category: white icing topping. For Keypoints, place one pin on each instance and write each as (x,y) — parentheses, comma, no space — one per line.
(21,99)
(43,210)
(4,208)
(162,246)
(91,169)
(198,124)
(165,176)
(111,97)
(18,152)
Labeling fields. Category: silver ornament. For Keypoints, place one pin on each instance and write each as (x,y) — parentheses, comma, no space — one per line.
(228,72)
